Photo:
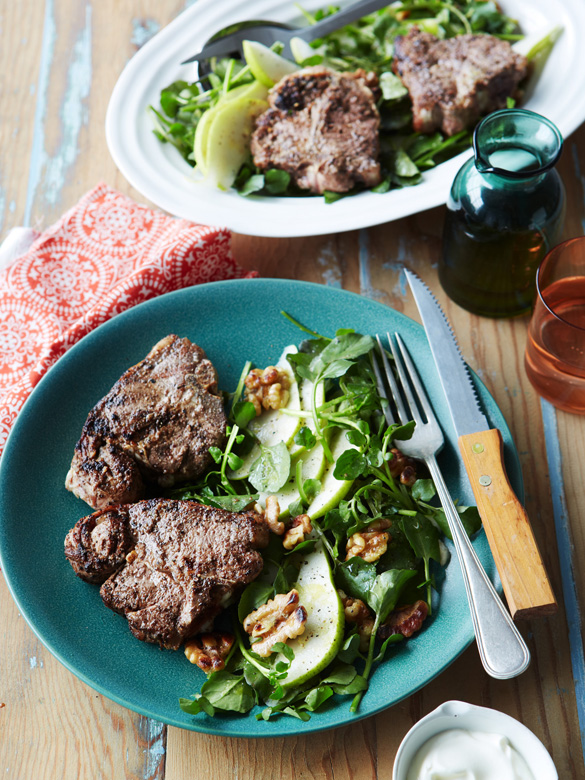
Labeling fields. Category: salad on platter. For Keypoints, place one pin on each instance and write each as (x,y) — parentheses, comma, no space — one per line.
(348,115)
(356,546)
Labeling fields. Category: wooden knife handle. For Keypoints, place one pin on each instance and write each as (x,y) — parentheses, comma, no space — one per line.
(508,530)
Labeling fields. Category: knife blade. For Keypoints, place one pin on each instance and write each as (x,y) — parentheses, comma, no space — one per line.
(509,532)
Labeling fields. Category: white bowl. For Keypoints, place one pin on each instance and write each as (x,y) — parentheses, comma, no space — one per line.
(460,715)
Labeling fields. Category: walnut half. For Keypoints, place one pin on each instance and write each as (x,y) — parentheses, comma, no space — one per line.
(278,620)
(209,651)
(371,543)
(267,389)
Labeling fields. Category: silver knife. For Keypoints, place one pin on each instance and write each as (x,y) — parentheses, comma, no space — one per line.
(508,530)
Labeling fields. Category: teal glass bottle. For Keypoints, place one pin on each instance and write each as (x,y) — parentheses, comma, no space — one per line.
(505,211)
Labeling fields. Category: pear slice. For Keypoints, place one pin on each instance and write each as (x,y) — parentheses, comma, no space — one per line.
(266,65)
(226,137)
(301,50)
(274,425)
(323,635)
(253,91)
(332,489)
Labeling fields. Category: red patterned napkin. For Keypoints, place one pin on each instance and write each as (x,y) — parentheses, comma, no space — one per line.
(104,256)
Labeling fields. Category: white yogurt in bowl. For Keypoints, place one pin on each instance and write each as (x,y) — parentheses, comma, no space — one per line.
(460,741)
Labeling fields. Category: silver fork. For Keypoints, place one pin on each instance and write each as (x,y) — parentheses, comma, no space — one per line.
(502,649)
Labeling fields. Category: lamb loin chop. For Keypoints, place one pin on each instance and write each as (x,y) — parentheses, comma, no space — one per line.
(169,566)
(455,81)
(155,426)
(322,128)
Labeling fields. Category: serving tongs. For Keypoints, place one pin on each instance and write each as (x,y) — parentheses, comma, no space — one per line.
(228,41)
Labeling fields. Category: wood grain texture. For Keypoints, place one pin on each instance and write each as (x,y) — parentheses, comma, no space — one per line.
(58,64)
(507,526)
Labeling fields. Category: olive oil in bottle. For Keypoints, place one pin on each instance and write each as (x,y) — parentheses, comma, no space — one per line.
(504,212)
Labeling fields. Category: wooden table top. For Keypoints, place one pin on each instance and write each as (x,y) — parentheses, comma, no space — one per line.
(59,62)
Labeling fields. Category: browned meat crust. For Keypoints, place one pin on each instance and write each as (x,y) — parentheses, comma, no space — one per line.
(322,128)
(453,82)
(156,425)
(169,566)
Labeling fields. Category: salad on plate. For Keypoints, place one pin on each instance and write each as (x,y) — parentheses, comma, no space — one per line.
(371,106)
(356,548)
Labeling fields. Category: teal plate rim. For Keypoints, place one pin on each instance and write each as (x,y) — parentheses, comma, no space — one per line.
(233,321)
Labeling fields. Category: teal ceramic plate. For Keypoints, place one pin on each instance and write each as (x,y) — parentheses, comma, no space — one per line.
(233,321)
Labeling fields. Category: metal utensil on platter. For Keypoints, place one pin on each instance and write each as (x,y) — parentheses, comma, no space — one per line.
(269,32)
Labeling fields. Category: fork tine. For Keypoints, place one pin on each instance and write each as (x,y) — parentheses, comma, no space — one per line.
(414,378)
(380,383)
(402,413)
(399,355)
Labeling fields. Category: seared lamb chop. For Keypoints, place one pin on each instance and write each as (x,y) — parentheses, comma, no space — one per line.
(322,128)
(169,566)
(453,82)
(156,425)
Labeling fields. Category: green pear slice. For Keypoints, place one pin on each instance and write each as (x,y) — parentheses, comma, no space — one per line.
(274,425)
(225,139)
(323,635)
(266,65)
(332,489)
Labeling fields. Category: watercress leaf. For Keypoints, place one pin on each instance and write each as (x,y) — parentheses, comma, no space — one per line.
(356,438)
(216,454)
(254,595)
(296,713)
(316,697)
(234,461)
(346,347)
(254,184)
(281,647)
(233,503)
(307,546)
(402,432)
(227,691)
(423,490)
(341,674)
(286,576)
(196,705)
(423,537)
(356,577)
(357,684)
(258,681)
(336,369)
(391,640)
(305,438)
(385,591)
(276,181)
(469,516)
(311,487)
(350,649)
(270,472)
(296,508)
(350,465)
(244,412)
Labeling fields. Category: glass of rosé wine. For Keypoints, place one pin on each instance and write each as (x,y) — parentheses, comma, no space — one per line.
(555,350)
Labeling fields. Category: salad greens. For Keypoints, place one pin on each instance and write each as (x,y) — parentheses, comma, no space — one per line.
(405,573)
(368,44)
